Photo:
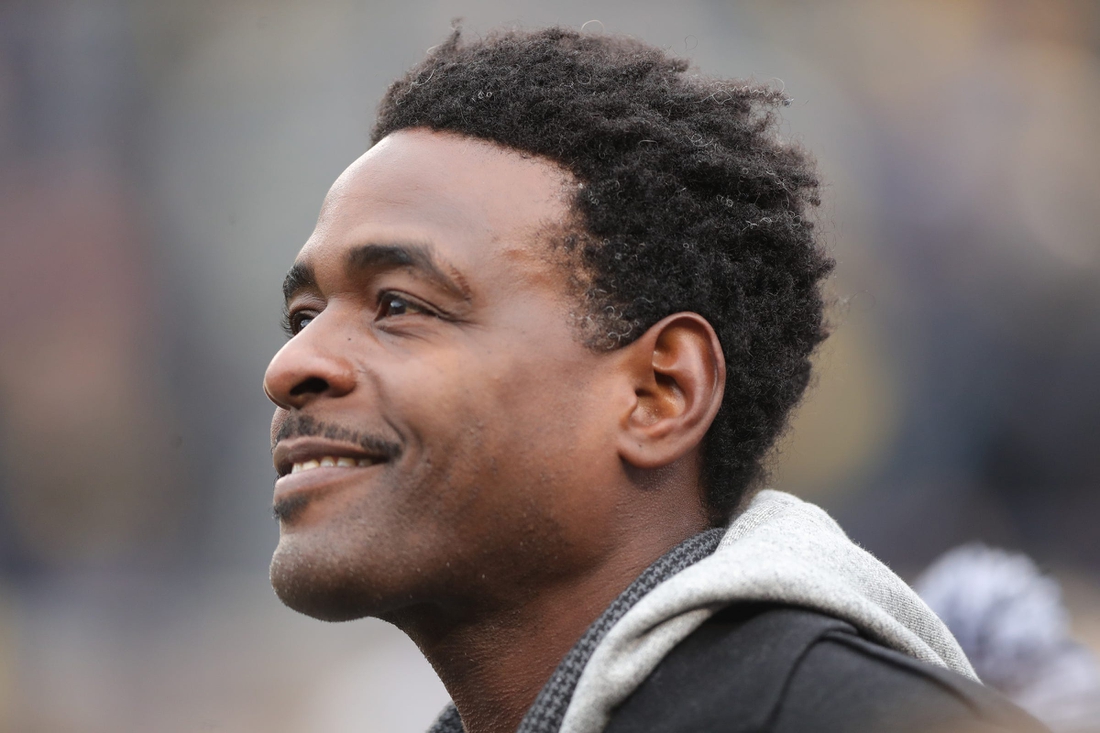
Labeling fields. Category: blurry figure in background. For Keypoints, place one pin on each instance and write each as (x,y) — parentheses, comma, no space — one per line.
(1009,619)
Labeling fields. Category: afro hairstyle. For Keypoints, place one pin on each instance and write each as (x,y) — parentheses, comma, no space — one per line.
(687,200)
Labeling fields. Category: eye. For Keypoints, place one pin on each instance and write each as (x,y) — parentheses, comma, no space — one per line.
(396,304)
(293,323)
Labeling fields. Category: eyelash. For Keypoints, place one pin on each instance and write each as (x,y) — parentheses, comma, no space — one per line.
(291,322)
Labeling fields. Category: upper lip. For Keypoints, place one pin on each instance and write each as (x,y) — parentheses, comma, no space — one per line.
(298,450)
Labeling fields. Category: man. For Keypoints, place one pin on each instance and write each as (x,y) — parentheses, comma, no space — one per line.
(540,341)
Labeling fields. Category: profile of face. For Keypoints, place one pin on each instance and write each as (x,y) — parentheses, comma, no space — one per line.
(441,432)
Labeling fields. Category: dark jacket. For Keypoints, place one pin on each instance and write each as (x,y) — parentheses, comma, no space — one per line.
(780,669)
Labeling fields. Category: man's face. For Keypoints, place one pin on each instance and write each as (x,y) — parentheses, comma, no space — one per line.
(437,365)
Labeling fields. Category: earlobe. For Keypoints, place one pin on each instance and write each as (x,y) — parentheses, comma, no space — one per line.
(679,375)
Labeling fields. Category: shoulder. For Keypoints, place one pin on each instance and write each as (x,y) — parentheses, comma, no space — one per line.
(781,669)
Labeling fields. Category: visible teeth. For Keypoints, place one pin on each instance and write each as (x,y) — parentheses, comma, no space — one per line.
(330,462)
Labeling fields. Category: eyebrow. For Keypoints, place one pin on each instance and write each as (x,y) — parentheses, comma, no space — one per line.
(300,277)
(411,256)
(380,257)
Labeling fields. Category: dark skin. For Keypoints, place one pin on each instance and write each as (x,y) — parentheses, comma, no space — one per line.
(507,481)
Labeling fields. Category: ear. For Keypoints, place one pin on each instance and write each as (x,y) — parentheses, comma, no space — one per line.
(679,376)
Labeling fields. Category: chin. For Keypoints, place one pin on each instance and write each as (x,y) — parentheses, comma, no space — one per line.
(313,587)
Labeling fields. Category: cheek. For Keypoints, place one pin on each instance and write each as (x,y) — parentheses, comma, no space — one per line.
(443,410)
(527,438)
(517,425)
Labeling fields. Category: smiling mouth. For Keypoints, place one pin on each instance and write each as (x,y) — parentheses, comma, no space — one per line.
(296,458)
(300,455)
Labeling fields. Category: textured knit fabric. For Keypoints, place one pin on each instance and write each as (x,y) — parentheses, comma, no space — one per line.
(778,550)
(546,713)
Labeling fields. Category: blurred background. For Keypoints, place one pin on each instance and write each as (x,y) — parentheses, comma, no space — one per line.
(161,162)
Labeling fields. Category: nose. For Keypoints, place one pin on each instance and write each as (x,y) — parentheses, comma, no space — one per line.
(308,367)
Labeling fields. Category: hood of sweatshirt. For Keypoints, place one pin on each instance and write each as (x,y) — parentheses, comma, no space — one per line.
(779,549)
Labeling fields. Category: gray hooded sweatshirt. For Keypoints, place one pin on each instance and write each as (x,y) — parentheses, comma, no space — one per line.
(779,549)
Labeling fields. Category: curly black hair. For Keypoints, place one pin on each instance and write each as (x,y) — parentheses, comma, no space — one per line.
(688,201)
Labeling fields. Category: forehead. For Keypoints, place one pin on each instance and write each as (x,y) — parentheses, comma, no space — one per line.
(475,204)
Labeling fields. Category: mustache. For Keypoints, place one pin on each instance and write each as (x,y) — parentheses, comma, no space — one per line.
(304,426)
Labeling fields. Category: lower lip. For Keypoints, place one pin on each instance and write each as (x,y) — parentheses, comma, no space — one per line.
(316,479)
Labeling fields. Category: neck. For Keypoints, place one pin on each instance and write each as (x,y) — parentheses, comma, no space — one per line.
(494,662)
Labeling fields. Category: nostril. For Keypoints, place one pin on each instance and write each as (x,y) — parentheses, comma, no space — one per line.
(312,385)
